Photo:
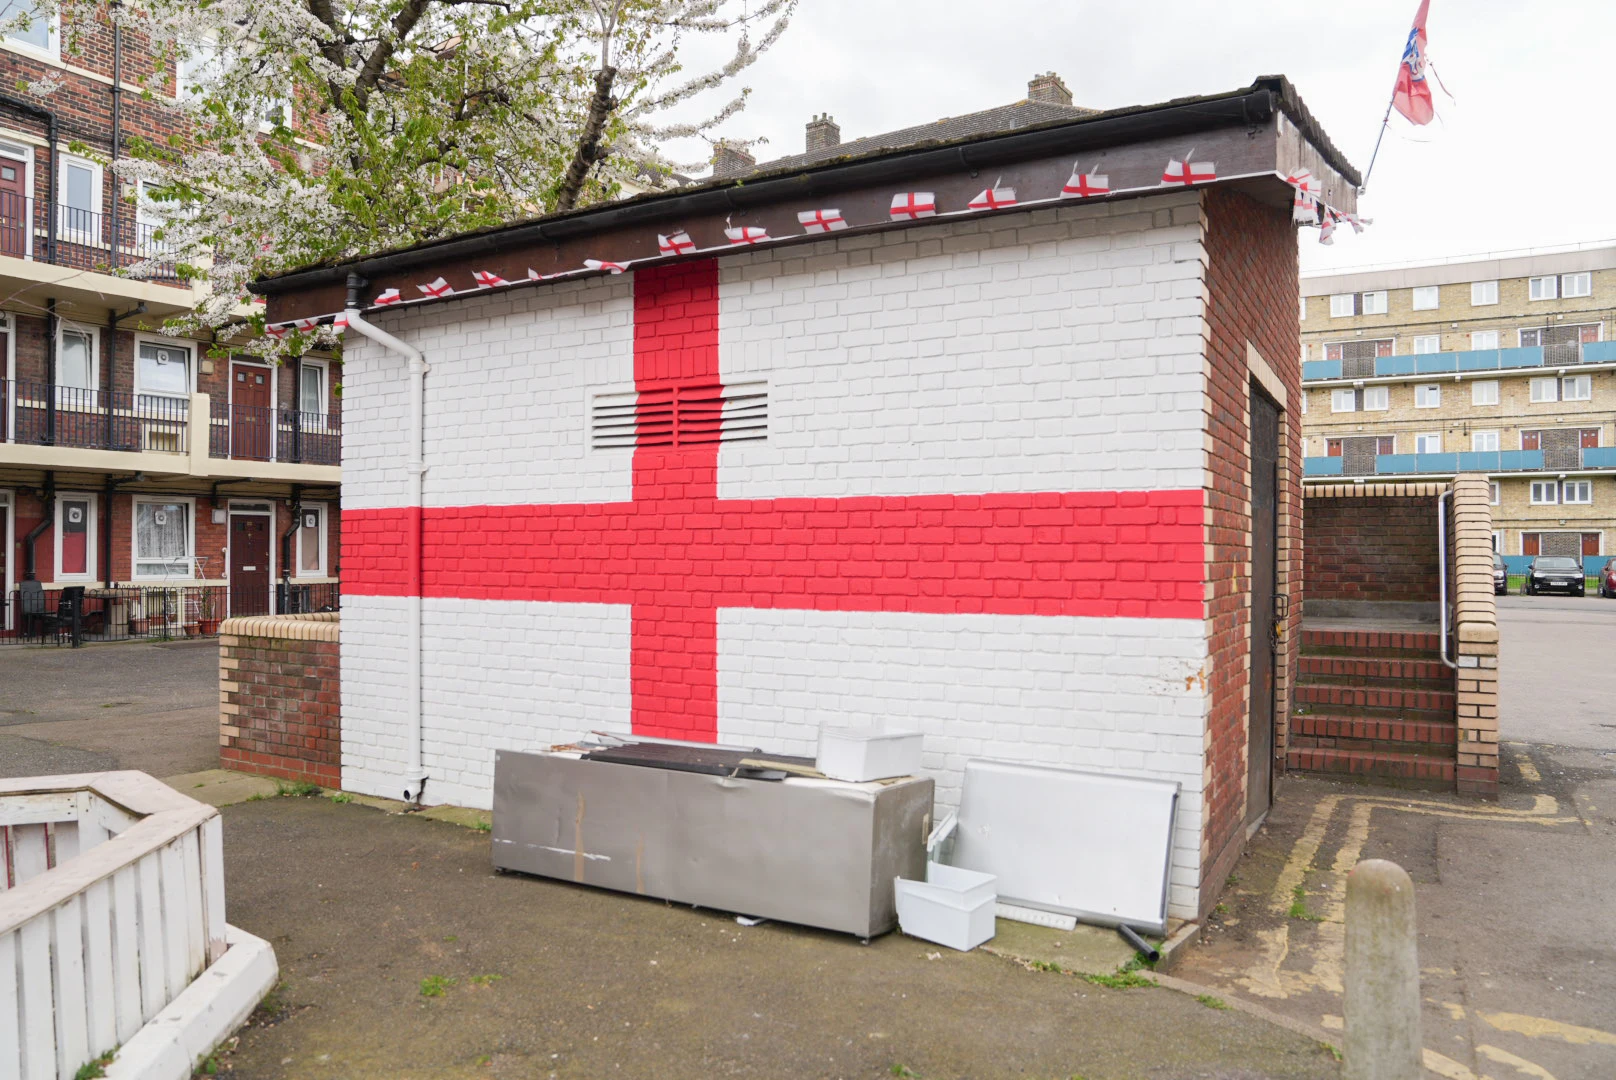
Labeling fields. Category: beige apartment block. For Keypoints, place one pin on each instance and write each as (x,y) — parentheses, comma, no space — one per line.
(1499,365)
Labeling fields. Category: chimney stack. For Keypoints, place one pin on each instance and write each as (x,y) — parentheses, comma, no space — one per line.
(823,133)
(731,160)
(1049,89)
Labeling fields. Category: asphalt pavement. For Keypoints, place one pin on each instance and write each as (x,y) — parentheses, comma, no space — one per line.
(1557,684)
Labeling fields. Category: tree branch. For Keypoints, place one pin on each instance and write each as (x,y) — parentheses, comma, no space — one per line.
(588,148)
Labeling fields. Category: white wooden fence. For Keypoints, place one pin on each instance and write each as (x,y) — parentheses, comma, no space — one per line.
(111,906)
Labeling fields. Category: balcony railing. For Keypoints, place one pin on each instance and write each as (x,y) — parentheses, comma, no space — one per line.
(1566,355)
(40,414)
(259,433)
(67,236)
(1483,461)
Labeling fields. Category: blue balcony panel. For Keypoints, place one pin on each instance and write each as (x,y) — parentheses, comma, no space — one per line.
(1520,460)
(1394,365)
(1599,352)
(1321,369)
(1598,457)
(1434,363)
(1322,466)
(1525,356)
(1416,463)
(1478,360)
(1479,461)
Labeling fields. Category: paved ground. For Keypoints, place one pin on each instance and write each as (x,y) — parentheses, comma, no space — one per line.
(1516,946)
(137,705)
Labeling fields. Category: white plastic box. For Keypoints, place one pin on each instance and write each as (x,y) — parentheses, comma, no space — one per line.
(857,754)
(951,907)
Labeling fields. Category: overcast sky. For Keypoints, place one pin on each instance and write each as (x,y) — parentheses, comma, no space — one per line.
(1523,158)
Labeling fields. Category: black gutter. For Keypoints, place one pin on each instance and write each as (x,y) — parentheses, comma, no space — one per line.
(117,127)
(47,499)
(286,541)
(52,324)
(1253,106)
(49,116)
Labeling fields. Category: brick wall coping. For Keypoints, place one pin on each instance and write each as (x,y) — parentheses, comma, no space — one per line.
(318,626)
(1374,491)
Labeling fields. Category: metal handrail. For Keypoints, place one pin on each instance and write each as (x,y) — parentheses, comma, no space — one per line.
(1442,577)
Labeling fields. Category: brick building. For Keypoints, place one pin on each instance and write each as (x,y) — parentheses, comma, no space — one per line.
(1023,473)
(129,458)
(1501,365)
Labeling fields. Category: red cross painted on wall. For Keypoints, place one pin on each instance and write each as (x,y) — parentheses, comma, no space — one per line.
(677,553)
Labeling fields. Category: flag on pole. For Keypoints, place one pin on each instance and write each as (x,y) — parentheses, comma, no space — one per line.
(1412,96)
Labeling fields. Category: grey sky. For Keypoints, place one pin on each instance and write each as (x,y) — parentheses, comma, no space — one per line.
(1522,159)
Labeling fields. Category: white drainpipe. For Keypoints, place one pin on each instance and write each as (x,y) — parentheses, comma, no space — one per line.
(414,774)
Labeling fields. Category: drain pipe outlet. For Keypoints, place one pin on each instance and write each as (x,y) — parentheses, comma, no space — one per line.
(414,775)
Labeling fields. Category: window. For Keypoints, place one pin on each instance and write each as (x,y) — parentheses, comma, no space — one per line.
(1543,288)
(75,537)
(1304,309)
(1577,492)
(1374,303)
(1429,443)
(1343,305)
(1495,492)
(1545,389)
(311,389)
(198,68)
(76,360)
(1577,388)
(148,208)
(1576,284)
(1376,398)
(1427,396)
(1343,401)
(1485,442)
(1427,343)
(164,538)
(79,198)
(1304,396)
(1484,339)
(162,368)
(1545,492)
(1484,392)
(1483,293)
(311,541)
(40,31)
(1425,298)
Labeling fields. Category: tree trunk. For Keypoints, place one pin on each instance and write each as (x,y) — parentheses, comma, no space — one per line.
(583,157)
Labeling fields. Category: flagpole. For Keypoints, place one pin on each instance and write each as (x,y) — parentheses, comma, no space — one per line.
(1384,124)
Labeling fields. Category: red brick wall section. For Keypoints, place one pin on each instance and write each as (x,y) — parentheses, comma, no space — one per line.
(279,700)
(1251,289)
(1381,548)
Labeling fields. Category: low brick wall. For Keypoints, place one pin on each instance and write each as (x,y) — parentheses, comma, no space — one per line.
(279,699)
(1374,546)
(1476,636)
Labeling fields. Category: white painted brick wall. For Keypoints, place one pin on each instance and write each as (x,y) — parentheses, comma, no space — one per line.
(1111,695)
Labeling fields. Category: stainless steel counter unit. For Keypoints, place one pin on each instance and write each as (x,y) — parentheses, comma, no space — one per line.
(817,852)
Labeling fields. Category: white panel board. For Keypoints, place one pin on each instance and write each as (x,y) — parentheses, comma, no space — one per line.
(1085,844)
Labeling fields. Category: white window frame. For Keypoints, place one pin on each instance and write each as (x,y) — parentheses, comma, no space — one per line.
(1304,311)
(134,536)
(1304,396)
(1584,285)
(1580,487)
(146,212)
(1348,396)
(167,343)
(1550,488)
(1375,303)
(1477,395)
(1478,437)
(1495,495)
(1577,388)
(1483,293)
(91,536)
(1433,293)
(1479,339)
(1422,440)
(325,517)
(1380,393)
(64,213)
(1543,382)
(1425,344)
(1336,305)
(1428,395)
(63,328)
(1543,288)
(53,39)
(324,368)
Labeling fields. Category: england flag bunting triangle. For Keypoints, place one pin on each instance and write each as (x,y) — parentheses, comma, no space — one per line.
(1086,185)
(994,198)
(678,243)
(747,234)
(821,221)
(436,289)
(909,205)
(389,296)
(606,265)
(1189,172)
(276,332)
(488,280)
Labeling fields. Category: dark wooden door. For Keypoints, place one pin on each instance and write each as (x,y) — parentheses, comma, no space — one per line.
(251,425)
(13,207)
(1264,586)
(249,564)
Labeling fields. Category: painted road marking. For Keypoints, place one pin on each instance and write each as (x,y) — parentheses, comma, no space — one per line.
(1538,1027)
(1520,1065)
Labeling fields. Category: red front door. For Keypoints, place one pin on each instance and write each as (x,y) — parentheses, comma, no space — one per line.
(251,422)
(249,564)
(13,207)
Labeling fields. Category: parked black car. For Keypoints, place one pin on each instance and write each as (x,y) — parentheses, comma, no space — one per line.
(1500,575)
(1607,580)
(1551,573)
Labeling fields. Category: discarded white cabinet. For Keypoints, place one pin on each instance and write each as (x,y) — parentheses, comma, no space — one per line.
(858,754)
(951,907)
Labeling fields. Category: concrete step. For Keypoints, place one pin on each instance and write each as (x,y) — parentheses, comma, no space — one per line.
(1378,701)
(1344,732)
(1410,770)
(1384,671)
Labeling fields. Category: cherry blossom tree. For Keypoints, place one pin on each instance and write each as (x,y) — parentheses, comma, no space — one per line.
(321,129)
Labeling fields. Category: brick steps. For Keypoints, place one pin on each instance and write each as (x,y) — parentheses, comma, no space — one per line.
(1374,706)
(1422,771)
